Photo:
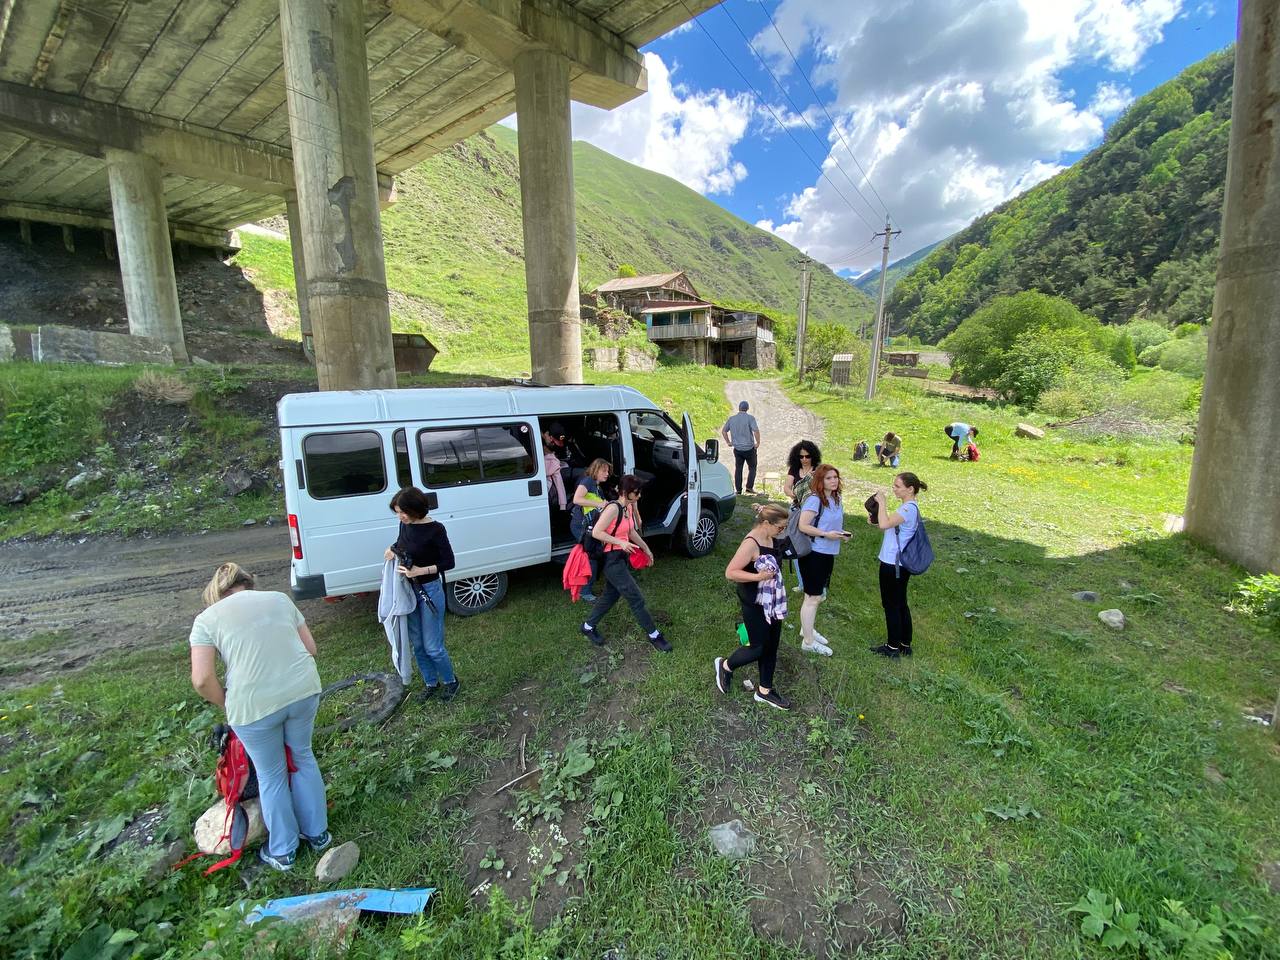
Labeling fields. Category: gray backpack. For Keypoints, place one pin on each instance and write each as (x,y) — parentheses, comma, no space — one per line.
(798,544)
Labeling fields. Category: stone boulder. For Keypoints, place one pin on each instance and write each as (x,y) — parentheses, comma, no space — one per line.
(7,349)
(633,359)
(732,840)
(603,358)
(338,862)
(55,344)
(213,823)
(1028,431)
(1112,618)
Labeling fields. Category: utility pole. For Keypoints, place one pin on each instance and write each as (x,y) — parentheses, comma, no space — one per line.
(877,333)
(802,321)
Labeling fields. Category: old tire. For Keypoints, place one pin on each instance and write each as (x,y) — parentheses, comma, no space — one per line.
(703,539)
(467,596)
(378,707)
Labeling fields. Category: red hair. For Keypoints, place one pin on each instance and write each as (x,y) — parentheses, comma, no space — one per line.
(818,484)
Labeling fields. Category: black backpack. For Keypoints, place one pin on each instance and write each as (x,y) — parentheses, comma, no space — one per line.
(595,548)
(860,450)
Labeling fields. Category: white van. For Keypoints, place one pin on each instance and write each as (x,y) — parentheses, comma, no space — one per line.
(477,452)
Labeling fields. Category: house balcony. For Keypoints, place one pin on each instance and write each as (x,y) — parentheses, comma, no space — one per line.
(684,331)
(745,330)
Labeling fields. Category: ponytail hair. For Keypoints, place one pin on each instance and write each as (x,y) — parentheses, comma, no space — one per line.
(771,513)
(226,578)
(914,482)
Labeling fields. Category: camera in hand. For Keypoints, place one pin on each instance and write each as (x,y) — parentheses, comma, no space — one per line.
(873,509)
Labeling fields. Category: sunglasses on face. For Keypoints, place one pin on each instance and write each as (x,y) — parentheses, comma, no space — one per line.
(804,456)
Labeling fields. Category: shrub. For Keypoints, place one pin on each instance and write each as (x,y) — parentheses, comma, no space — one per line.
(1259,597)
(1184,330)
(626,270)
(1145,333)
(163,388)
(1122,354)
(1187,356)
(1044,358)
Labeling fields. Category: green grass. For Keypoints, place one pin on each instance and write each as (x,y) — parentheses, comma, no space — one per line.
(1025,755)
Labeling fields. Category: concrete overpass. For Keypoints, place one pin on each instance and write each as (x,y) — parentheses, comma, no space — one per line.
(181,119)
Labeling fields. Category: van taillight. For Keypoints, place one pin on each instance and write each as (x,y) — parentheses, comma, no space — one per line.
(295,536)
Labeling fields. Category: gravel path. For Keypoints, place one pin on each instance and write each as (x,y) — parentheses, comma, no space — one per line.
(782,423)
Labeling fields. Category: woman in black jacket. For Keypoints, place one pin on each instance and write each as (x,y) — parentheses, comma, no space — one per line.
(425,554)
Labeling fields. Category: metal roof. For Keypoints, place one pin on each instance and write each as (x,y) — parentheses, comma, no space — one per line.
(638,283)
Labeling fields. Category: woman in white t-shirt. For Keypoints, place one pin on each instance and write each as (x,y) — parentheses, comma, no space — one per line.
(271,695)
(899,527)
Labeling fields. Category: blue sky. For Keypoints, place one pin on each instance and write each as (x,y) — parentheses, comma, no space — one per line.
(951,106)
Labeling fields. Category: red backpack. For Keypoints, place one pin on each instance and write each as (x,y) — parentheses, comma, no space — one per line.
(971,453)
(237,782)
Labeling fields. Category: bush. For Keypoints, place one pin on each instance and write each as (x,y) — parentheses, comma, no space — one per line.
(1044,358)
(1161,395)
(1187,356)
(1145,334)
(1259,597)
(1123,356)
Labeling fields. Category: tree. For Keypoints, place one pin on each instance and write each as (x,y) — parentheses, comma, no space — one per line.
(822,342)
(626,270)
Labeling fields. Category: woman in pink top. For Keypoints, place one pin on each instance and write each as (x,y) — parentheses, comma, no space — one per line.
(618,528)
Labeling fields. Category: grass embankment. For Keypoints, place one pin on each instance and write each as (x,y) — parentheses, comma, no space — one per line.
(1025,755)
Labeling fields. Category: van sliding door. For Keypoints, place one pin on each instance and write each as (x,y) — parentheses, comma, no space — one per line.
(490,493)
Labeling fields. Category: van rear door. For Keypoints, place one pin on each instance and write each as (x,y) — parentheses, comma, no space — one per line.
(693,479)
(490,492)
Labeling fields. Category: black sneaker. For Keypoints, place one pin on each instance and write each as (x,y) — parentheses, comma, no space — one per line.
(887,651)
(449,690)
(905,651)
(422,696)
(774,699)
(660,643)
(321,843)
(592,634)
(724,676)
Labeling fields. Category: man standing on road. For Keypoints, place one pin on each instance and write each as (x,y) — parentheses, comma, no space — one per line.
(743,432)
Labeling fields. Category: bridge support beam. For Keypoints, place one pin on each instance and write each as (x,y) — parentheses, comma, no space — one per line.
(146,253)
(1233,501)
(546,202)
(299,273)
(331,128)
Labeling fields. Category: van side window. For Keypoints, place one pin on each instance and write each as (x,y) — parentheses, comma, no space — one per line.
(461,455)
(344,464)
(404,475)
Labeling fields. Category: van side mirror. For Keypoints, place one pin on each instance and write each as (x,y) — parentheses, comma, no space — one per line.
(712,451)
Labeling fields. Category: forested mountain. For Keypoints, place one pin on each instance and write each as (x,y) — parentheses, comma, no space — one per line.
(869,282)
(1130,231)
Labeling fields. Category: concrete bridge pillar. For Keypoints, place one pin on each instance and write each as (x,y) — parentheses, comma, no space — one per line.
(146,255)
(299,273)
(546,202)
(331,129)
(1233,501)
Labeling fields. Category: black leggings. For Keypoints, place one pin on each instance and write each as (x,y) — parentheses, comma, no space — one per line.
(620,583)
(893,597)
(764,638)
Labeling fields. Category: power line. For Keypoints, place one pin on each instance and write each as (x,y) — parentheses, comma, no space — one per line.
(817,99)
(817,165)
(800,113)
(853,253)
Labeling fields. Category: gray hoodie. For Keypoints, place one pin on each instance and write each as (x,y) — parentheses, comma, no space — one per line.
(395,602)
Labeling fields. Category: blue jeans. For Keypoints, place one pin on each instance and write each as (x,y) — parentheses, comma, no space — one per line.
(289,807)
(426,635)
(893,461)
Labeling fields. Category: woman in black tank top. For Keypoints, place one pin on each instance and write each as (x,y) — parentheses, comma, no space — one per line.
(763,632)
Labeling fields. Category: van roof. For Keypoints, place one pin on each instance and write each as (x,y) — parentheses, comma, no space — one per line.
(332,407)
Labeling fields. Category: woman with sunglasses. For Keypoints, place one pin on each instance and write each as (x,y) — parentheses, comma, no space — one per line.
(801,462)
(618,528)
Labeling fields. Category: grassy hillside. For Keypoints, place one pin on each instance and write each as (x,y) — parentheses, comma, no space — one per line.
(869,282)
(455,249)
(1131,231)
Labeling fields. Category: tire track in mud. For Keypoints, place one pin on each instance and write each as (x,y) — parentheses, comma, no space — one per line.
(101,596)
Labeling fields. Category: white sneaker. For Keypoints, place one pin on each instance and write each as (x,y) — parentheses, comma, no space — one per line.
(820,639)
(797,589)
(819,648)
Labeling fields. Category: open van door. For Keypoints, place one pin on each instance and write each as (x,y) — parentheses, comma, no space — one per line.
(701,524)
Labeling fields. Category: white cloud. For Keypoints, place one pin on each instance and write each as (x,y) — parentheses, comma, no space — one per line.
(685,134)
(1110,99)
(952,106)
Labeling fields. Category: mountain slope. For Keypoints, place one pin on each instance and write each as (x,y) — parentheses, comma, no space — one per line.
(869,282)
(454,249)
(1131,230)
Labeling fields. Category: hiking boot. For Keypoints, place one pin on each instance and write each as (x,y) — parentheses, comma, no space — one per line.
(724,676)
(750,492)
(587,596)
(321,843)
(774,699)
(821,649)
(660,643)
(905,651)
(592,634)
(449,690)
(422,696)
(887,651)
(283,864)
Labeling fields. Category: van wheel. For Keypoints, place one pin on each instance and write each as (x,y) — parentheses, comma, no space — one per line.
(703,539)
(471,595)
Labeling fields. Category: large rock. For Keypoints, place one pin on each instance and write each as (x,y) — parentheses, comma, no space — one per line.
(338,862)
(1086,596)
(7,349)
(633,359)
(213,823)
(1028,431)
(603,358)
(236,481)
(1112,618)
(54,344)
(732,840)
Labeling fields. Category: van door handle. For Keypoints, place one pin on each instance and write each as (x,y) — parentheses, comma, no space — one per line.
(433,501)
(535,488)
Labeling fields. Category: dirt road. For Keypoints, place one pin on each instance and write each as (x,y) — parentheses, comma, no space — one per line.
(62,604)
(782,423)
